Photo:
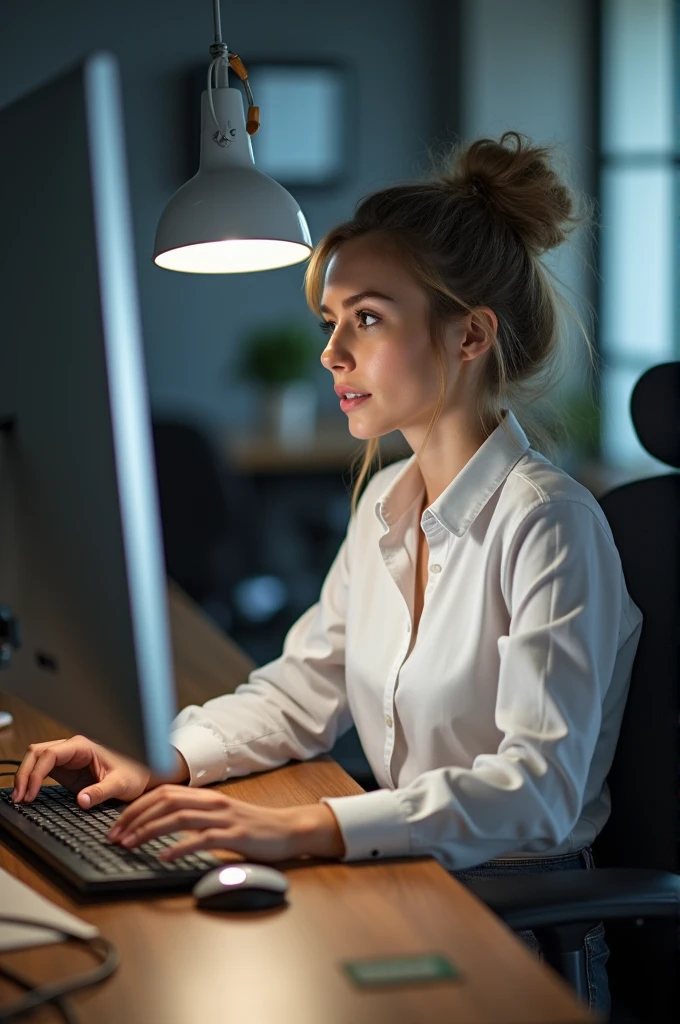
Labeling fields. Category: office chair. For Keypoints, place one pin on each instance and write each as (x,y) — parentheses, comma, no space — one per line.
(637,852)
(210,529)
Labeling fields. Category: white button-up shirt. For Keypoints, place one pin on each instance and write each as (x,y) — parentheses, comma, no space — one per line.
(494,735)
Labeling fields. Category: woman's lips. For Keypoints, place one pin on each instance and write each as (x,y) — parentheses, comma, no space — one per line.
(350,403)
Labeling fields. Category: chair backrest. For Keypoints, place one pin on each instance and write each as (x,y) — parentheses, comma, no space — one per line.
(643,829)
(207,529)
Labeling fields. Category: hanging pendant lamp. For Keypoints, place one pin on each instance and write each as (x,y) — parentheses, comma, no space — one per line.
(230,217)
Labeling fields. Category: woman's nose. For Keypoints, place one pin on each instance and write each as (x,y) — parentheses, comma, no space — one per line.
(332,357)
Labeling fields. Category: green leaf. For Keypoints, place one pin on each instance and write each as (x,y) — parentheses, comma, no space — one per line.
(278,354)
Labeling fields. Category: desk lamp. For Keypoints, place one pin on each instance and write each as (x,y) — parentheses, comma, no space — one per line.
(230,217)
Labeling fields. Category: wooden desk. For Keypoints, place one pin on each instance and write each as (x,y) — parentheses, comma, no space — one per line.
(184,966)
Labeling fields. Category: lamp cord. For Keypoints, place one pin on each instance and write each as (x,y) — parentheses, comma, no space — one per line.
(220,137)
(219,51)
(221,55)
(218,21)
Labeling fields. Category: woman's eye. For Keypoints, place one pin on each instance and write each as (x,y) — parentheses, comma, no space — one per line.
(365,312)
(327,325)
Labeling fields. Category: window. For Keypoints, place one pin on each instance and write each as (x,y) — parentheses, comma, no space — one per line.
(639,223)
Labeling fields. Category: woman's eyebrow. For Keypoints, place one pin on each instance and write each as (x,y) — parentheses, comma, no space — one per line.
(346,303)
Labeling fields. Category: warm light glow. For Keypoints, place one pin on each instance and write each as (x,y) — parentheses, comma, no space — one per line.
(232,876)
(233,256)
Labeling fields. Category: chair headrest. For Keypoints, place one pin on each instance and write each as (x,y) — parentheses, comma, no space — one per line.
(655,411)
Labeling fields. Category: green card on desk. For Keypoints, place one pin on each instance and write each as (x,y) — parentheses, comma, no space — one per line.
(403,970)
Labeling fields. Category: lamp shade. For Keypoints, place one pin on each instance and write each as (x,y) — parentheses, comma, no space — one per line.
(230,217)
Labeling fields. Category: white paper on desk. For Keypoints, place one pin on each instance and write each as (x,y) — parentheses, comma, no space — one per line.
(18,899)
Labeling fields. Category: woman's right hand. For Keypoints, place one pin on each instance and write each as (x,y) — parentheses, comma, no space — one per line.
(88,769)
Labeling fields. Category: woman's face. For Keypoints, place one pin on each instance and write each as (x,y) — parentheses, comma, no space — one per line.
(380,346)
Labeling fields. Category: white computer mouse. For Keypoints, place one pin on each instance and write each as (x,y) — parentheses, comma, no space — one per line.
(241,887)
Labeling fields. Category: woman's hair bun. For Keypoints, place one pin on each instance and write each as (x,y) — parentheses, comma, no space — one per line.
(518,184)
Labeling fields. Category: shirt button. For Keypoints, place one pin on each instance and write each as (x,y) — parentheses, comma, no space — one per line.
(388,721)
(435,568)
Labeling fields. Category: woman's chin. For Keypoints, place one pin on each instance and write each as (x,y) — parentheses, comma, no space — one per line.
(366,431)
(360,428)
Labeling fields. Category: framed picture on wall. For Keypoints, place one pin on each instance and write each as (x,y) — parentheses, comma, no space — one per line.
(306,109)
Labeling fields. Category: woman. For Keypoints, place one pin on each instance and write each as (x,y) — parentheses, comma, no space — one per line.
(475,623)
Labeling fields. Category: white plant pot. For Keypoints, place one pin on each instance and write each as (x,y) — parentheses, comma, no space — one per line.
(291,412)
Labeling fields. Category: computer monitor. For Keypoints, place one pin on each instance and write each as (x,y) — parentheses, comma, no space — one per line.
(82,570)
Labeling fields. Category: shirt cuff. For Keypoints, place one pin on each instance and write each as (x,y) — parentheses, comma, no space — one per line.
(374,825)
(203,752)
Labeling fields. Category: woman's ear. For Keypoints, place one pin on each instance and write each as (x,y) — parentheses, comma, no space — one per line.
(482,326)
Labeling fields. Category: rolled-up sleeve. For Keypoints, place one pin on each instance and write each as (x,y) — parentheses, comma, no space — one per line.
(561,580)
(295,707)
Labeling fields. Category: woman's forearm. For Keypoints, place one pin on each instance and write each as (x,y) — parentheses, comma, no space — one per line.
(180,773)
(316,831)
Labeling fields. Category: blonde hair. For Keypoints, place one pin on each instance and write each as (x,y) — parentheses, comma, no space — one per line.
(472,235)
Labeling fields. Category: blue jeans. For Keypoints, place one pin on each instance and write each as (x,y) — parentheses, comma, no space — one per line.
(596,950)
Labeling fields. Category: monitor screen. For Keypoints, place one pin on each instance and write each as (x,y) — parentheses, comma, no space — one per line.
(82,576)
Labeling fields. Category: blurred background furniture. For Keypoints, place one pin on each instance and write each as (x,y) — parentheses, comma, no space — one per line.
(329,450)
(635,888)
(210,530)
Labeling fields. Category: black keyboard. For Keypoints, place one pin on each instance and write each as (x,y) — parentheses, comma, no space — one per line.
(73,842)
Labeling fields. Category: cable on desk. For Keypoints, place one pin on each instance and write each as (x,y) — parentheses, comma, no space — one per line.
(5,760)
(41,994)
(60,1002)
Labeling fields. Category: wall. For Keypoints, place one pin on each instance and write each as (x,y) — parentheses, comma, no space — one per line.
(528,65)
(194,324)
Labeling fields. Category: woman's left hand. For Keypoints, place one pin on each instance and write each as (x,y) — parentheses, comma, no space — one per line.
(258,833)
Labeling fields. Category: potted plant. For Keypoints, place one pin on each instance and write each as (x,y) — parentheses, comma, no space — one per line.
(280,359)
(583,422)
(575,421)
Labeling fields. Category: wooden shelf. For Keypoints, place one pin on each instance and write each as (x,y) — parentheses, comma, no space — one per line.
(331,449)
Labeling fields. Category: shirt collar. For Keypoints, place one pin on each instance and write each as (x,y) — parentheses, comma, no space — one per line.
(467,494)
